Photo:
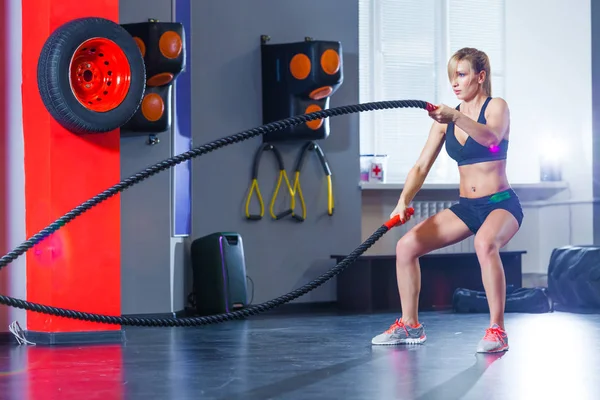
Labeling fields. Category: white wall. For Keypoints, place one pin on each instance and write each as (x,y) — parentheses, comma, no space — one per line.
(548,64)
(15,272)
(548,83)
(549,88)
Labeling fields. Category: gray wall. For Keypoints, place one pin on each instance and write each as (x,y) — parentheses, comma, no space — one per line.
(280,255)
(145,207)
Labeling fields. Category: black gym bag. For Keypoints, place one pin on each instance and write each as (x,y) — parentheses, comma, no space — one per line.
(523,300)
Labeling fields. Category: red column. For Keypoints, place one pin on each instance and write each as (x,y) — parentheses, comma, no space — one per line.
(79,266)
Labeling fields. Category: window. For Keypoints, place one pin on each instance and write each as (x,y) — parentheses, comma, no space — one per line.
(404,47)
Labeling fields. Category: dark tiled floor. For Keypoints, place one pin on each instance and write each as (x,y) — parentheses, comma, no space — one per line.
(552,356)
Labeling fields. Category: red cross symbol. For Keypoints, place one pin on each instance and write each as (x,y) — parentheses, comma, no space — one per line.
(376,170)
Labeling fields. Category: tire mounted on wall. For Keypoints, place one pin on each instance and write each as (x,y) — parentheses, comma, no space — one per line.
(91,75)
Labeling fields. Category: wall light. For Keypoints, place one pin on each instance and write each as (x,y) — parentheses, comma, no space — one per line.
(552,153)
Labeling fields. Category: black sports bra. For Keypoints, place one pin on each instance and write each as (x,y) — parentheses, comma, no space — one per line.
(472,152)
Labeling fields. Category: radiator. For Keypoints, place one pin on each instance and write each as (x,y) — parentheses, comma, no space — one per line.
(425,209)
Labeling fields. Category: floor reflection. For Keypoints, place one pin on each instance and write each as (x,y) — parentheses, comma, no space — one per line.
(318,356)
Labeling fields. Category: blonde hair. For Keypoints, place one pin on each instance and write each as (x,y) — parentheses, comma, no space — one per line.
(478,60)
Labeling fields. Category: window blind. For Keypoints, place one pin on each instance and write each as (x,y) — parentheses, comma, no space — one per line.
(365,77)
(472,25)
(404,68)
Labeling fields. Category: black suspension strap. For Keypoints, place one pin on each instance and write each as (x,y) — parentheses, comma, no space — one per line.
(171,162)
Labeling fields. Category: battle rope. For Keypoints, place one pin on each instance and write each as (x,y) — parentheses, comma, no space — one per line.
(171,162)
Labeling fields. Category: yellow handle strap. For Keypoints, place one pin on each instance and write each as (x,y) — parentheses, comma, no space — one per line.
(282,176)
(330,206)
(254,186)
(298,189)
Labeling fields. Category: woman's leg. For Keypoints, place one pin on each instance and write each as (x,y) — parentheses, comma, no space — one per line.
(440,230)
(497,230)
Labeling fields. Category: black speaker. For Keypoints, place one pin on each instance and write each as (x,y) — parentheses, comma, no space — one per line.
(219,273)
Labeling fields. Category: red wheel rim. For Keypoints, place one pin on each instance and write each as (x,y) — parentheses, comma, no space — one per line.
(100,75)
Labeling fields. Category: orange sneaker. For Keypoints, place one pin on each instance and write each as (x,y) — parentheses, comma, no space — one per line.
(494,341)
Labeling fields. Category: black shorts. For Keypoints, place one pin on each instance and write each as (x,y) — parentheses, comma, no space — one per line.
(473,212)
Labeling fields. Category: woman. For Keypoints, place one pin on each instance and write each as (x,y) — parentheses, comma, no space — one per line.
(476,135)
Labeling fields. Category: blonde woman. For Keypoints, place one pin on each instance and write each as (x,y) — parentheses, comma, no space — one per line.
(476,136)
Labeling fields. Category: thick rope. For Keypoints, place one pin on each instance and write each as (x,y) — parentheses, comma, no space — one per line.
(169,163)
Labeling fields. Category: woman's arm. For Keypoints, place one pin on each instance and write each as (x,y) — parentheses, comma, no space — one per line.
(489,134)
(418,173)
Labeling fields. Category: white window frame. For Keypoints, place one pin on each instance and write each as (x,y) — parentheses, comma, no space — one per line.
(372,60)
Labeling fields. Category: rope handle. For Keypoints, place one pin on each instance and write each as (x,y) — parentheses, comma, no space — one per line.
(395,220)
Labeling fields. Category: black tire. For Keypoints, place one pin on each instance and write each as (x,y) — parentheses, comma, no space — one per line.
(54,81)
(574,277)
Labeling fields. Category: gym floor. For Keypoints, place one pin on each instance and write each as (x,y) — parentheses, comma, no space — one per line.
(318,356)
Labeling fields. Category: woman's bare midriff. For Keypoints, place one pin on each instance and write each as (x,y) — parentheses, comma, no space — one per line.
(483,179)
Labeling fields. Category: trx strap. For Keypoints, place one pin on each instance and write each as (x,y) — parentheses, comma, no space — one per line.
(297,189)
(254,186)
